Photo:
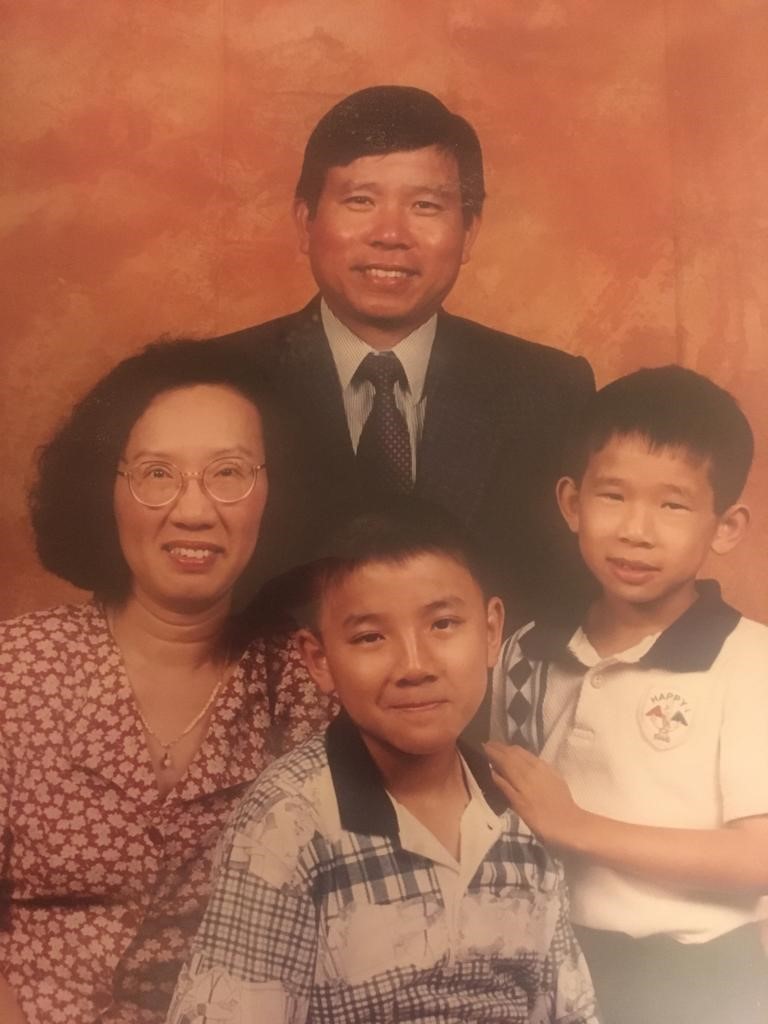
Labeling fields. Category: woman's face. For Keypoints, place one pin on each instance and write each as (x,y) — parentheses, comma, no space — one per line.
(187,555)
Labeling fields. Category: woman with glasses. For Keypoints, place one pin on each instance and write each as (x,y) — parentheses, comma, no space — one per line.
(130,724)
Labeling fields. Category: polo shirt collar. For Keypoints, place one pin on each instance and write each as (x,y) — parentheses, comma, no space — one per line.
(690,644)
(364,805)
(348,350)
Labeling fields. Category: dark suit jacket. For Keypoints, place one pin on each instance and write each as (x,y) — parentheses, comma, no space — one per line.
(498,411)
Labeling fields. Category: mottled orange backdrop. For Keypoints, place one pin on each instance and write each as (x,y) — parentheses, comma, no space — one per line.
(152,146)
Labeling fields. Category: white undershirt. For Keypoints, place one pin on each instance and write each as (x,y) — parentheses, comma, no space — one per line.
(478,831)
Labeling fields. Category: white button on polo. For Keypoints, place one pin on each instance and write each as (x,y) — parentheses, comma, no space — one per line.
(597,681)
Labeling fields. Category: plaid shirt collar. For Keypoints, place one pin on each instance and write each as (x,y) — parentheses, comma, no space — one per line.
(690,644)
(364,806)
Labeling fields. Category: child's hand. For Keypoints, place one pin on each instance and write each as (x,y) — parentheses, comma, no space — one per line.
(537,793)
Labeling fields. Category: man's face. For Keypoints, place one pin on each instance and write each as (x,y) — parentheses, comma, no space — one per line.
(406,647)
(387,240)
(645,520)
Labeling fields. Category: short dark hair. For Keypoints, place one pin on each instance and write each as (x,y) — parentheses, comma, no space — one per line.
(71,503)
(670,407)
(387,119)
(403,529)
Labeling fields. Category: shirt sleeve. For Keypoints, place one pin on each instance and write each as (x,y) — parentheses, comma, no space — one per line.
(299,709)
(744,727)
(254,957)
(567,985)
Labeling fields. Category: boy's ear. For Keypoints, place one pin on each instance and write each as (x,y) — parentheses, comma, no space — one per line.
(495,619)
(313,654)
(731,527)
(567,492)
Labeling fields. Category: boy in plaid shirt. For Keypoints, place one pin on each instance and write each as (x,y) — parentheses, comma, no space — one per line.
(376,874)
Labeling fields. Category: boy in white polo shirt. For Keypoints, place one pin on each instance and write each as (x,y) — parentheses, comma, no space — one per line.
(650,712)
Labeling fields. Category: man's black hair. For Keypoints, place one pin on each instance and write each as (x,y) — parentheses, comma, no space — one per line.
(670,407)
(405,528)
(71,504)
(387,119)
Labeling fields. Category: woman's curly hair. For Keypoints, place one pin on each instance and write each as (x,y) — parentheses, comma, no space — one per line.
(71,503)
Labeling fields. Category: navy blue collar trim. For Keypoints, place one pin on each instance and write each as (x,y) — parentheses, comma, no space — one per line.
(364,806)
(690,644)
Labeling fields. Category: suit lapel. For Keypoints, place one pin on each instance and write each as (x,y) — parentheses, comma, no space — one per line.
(310,379)
(461,436)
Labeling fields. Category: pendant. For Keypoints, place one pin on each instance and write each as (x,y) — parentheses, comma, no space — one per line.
(165,760)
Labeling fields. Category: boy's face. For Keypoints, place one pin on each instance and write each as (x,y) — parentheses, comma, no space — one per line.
(646,520)
(406,647)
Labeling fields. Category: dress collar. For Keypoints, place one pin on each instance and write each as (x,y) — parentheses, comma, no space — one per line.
(233,750)
(690,644)
(364,806)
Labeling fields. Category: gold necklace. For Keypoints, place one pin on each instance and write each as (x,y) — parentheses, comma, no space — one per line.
(166,761)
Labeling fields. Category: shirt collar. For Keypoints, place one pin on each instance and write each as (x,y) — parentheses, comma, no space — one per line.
(364,806)
(348,350)
(479,828)
(581,648)
(690,644)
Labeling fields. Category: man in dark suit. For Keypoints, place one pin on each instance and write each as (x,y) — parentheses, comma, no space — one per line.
(380,391)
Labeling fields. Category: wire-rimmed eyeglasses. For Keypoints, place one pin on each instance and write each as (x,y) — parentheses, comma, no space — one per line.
(154,483)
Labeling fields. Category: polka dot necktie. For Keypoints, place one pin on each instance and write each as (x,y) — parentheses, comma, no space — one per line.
(384,450)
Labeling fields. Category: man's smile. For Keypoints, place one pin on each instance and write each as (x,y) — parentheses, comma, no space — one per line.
(382,271)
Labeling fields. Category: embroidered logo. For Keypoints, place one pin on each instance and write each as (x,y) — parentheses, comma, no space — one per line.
(665,719)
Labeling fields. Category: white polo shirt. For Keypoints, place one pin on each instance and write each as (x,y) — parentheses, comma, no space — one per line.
(672,733)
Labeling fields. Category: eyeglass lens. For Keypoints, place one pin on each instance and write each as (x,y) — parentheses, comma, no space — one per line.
(158,483)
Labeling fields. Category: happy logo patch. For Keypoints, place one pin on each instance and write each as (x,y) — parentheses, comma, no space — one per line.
(665,719)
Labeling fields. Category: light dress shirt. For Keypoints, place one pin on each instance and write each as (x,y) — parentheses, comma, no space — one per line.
(348,352)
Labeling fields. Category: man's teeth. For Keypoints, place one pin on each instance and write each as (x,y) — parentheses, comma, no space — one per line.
(199,553)
(378,272)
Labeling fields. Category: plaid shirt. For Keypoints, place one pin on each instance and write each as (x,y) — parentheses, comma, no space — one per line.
(321,915)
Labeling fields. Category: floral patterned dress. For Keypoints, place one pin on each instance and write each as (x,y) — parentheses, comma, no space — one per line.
(103,881)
